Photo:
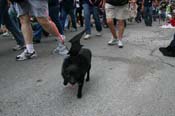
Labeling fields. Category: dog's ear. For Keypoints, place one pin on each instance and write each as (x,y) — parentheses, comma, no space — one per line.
(75,44)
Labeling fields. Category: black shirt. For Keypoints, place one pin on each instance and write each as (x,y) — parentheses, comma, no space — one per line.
(148,3)
(117,2)
(67,4)
(53,2)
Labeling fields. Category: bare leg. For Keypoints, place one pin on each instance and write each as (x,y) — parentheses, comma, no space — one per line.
(111,25)
(50,27)
(120,29)
(26,29)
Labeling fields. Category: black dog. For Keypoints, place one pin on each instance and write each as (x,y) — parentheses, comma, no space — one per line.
(77,64)
(169,50)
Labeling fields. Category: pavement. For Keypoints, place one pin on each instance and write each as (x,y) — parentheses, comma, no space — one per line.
(136,80)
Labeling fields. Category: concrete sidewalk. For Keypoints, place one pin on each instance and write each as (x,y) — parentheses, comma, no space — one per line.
(134,81)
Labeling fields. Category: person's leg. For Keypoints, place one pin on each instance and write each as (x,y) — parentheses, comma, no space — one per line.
(11,22)
(104,20)
(145,15)
(80,16)
(122,13)
(97,19)
(13,15)
(28,35)
(111,25)
(120,29)
(67,23)
(54,15)
(73,19)
(26,28)
(150,15)
(64,18)
(110,14)
(12,27)
(50,27)
(15,21)
(87,18)
(37,32)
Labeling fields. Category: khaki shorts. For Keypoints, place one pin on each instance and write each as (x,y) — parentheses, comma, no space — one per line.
(118,12)
(36,8)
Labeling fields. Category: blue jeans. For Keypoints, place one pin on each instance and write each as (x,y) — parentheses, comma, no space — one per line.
(2,11)
(11,24)
(13,15)
(88,10)
(64,13)
(66,23)
(37,31)
(148,15)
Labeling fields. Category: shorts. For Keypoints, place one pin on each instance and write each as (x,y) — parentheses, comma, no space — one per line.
(118,12)
(36,8)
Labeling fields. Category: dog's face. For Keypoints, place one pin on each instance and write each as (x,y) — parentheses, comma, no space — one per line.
(72,74)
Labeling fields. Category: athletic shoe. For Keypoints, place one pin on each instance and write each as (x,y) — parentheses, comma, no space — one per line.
(98,33)
(87,36)
(61,49)
(18,47)
(113,41)
(26,55)
(5,34)
(120,44)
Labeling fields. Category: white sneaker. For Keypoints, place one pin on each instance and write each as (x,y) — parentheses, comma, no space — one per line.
(6,34)
(98,33)
(26,55)
(87,36)
(61,49)
(120,44)
(113,41)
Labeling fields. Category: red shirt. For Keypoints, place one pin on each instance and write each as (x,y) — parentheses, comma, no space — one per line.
(172,22)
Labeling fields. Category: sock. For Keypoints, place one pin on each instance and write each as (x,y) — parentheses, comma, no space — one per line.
(30,48)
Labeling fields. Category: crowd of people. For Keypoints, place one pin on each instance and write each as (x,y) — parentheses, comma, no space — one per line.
(28,20)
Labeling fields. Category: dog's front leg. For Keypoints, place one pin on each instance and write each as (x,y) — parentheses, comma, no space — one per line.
(88,74)
(65,82)
(80,86)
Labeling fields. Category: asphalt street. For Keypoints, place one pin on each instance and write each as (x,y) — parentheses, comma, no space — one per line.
(136,80)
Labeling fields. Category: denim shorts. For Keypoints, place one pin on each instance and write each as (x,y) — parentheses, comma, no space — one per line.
(118,12)
(36,8)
